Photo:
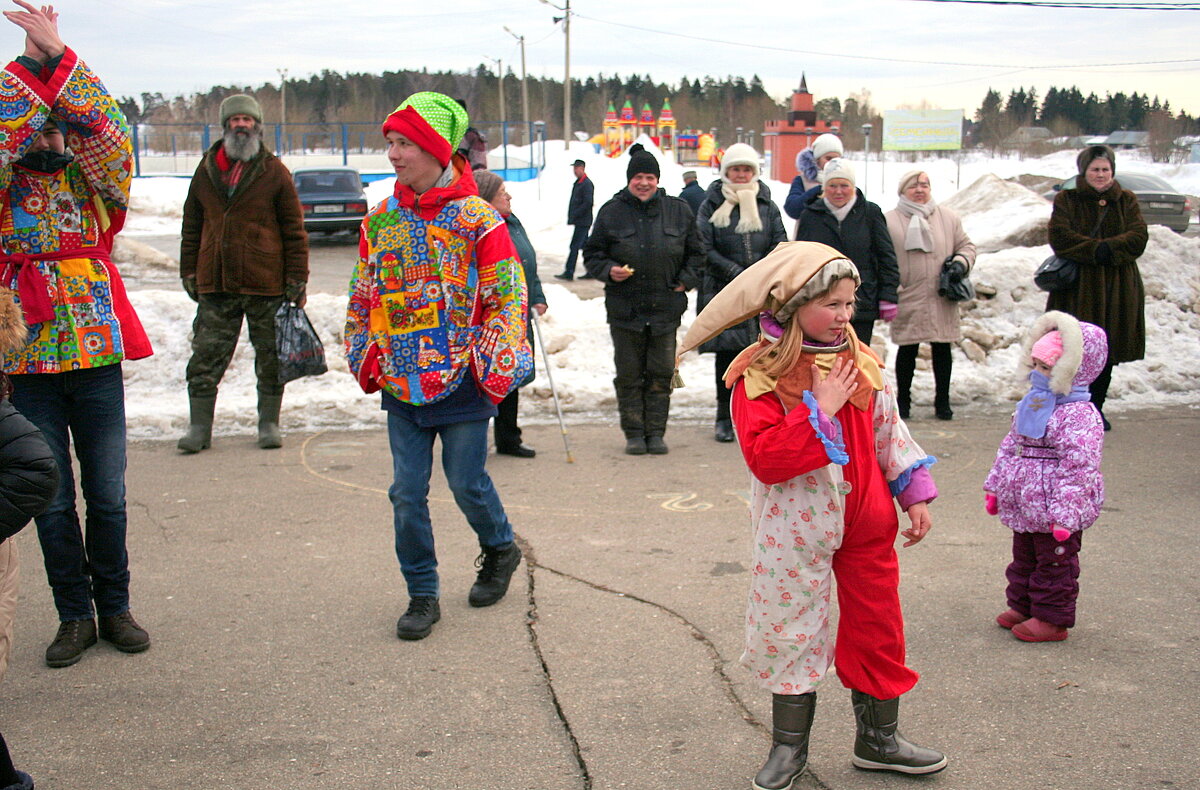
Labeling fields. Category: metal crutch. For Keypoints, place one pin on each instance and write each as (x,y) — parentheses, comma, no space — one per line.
(537,328)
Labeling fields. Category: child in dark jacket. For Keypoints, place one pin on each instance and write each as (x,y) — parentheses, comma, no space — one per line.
(28,480)
(1045,484)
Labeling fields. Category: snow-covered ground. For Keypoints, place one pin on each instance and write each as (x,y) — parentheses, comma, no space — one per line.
(997,214)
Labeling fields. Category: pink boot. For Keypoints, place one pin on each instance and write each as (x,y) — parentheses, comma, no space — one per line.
(1035,630)
(1009,618)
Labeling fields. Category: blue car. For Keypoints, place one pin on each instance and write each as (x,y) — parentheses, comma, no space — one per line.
(332,198)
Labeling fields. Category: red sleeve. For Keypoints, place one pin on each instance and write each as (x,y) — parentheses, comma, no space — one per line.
(777,445)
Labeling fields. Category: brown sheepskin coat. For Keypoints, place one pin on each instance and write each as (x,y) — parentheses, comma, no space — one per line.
(251,242)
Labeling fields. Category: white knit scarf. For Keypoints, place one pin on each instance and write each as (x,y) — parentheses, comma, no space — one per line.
(919,235)
(745,197)
(840,213)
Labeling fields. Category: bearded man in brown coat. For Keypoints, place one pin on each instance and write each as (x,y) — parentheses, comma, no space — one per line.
(244,251)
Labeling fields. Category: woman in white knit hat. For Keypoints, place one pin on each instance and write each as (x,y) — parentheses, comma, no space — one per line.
(926,236)
(809,163)
(739,224)
(842,217)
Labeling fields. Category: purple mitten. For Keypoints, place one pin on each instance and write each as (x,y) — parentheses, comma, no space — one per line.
(990,504)
(887,311)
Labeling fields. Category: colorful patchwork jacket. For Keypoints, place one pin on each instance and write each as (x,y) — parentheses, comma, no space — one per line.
(57,229)
(438,291)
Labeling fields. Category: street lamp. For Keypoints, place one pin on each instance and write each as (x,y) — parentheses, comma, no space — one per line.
(524,86)
(566,20)
(866,130)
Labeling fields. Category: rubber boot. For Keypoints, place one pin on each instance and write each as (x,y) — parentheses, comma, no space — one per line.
(879,747)
(199,434)
(269,437)
(792,718)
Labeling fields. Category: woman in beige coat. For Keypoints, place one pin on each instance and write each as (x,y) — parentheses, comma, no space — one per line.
(925,236)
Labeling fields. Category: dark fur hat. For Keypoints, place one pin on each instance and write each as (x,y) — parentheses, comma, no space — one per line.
(1091,154)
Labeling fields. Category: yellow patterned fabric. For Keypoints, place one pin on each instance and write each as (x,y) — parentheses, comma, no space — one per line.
(80,207)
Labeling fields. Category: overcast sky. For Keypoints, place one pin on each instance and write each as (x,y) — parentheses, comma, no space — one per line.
(904,52)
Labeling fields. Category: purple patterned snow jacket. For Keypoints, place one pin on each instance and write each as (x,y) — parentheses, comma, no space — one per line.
(1055,480)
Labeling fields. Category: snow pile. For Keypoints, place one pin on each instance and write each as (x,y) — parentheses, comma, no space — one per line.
(997,214)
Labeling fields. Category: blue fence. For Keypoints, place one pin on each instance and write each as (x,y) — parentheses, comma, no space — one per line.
(516,150)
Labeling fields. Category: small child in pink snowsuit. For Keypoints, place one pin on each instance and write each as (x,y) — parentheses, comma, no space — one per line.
(1045,484)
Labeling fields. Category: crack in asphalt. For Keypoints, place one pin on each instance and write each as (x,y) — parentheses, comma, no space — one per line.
(718,661)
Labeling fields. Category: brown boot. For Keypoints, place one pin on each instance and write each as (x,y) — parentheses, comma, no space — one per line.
(73,637)
(123,632)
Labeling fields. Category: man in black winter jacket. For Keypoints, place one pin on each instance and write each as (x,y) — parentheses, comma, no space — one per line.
(579,214)
(646,250)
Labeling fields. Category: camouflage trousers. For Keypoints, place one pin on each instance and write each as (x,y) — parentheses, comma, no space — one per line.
(215,335)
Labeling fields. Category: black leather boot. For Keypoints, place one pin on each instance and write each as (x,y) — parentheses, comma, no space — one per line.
(879,747)
(791,719)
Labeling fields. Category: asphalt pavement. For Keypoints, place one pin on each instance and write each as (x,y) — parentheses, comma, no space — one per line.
(268,583)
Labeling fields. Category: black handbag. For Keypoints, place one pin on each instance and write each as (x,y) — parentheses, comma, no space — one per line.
(953,285)
(1057,273)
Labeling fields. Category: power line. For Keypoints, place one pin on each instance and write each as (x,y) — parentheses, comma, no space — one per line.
(1101,6)
(815,53)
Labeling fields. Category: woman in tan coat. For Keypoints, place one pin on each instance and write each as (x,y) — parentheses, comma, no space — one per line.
(925,235)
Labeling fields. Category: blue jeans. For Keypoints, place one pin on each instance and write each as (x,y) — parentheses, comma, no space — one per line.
(464,451)
(92,565)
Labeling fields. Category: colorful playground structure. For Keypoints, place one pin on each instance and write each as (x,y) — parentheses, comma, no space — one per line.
(690,146)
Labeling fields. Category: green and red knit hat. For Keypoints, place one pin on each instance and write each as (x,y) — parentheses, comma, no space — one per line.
(434,121)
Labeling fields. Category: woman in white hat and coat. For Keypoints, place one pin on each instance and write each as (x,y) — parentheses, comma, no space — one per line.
(926,237)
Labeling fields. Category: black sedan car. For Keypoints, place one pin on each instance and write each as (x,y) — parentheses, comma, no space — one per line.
(332,198)
(1158,200)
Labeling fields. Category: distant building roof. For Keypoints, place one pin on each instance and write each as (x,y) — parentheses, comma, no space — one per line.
(1128,138)
(1029,134)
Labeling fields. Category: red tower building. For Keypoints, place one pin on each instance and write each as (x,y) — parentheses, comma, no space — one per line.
(787,138)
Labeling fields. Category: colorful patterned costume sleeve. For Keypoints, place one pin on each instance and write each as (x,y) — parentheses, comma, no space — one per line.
(898,453)
(501,358)
(94,127)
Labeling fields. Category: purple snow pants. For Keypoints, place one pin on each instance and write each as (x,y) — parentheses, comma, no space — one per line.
(1043,577)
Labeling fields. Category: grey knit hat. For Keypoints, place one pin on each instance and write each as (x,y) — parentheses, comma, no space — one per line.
(240,104)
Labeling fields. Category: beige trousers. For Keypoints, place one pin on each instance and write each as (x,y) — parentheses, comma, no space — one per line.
(9,576)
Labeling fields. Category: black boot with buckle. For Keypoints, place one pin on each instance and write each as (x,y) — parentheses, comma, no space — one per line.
(879,747)
(791,720)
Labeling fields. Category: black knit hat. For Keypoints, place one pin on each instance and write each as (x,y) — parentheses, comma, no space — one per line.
(641,161)
(1091,154)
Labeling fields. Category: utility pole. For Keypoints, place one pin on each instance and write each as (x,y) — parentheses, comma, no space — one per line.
(282,95)
(500,70)
(282,102)
(566,20)
(524,86)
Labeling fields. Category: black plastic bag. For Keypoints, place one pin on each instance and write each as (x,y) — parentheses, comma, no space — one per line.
(301,352)
(954,284)
(1056,274)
